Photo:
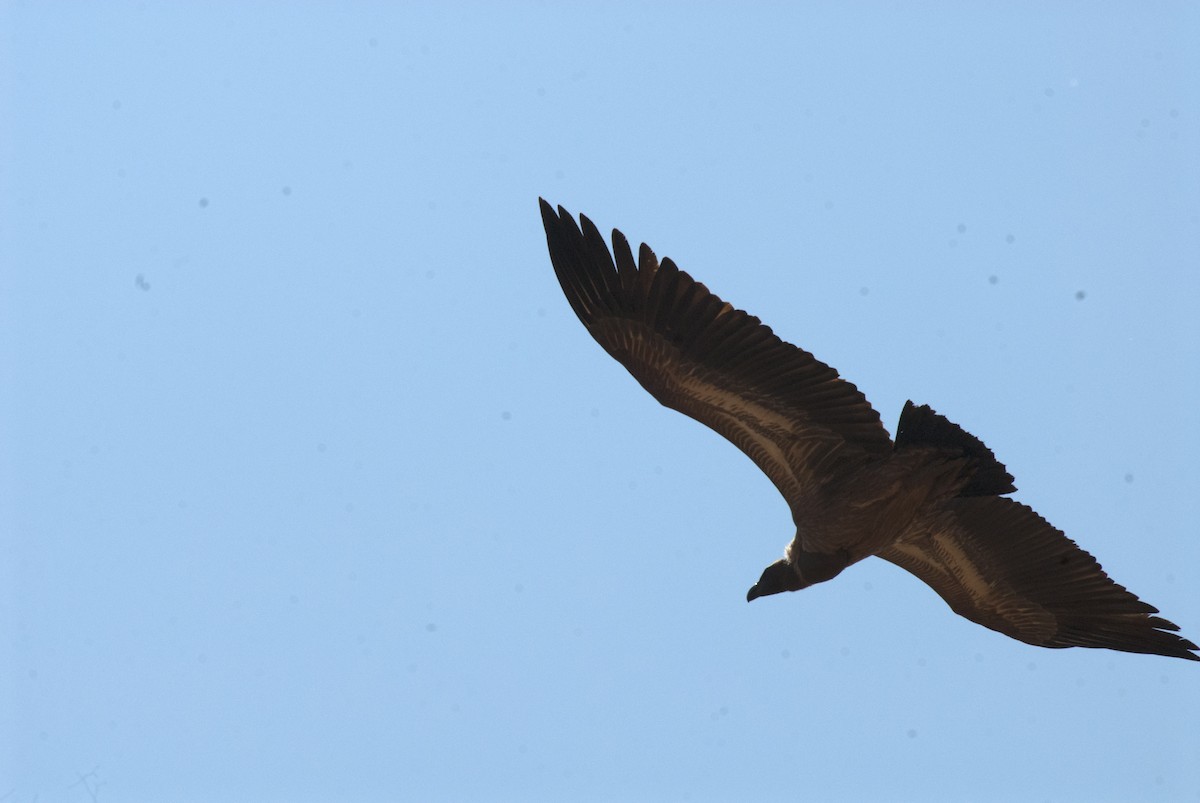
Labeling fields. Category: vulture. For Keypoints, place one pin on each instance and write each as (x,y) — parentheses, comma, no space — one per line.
(933,501)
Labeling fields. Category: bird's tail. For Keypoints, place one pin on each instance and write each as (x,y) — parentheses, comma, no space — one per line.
(921,426)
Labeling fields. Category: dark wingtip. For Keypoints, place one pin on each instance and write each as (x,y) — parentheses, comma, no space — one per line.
(548,214)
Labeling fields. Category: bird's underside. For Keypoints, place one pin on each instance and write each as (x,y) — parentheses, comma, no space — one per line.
(933,501)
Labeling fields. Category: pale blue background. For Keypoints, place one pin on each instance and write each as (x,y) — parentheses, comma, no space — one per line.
(313,488)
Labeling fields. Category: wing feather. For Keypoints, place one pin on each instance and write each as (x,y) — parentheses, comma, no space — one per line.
(719,365)
(1000,564)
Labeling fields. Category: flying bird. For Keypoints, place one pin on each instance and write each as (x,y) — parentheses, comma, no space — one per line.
(933,502)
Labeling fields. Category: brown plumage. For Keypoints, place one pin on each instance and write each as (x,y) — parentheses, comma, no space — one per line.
(932,502)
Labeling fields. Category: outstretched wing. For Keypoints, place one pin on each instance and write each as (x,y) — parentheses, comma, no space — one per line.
(789,412)
(1000,564)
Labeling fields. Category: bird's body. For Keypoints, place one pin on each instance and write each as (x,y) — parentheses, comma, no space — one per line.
(869,507)
(933,501)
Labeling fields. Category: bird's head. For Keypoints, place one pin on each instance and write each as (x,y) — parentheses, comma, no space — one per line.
(779,576)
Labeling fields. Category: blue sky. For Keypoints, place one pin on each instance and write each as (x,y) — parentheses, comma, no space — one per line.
(312,487)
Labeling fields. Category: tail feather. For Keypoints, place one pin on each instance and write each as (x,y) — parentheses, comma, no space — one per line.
(921,426)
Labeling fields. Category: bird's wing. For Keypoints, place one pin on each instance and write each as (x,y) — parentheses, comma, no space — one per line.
(1000,564)
(789,412)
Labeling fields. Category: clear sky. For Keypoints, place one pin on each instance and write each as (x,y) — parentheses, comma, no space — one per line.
(312,487)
